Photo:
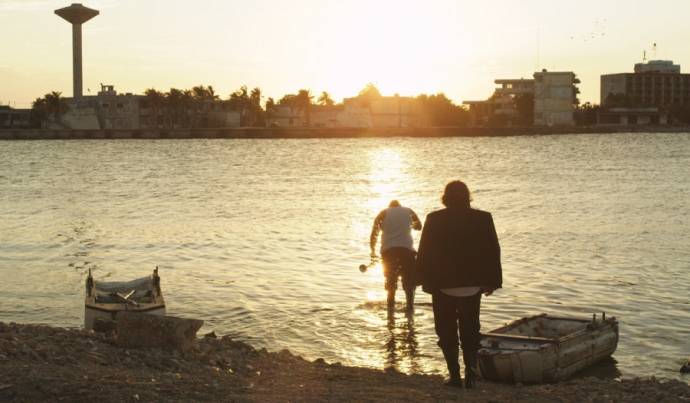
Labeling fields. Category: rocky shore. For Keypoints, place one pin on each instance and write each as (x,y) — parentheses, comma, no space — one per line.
(42,363)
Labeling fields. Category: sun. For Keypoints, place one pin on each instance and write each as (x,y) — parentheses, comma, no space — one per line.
(391,45)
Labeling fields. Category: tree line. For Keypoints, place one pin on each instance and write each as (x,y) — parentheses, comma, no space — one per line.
(194,108)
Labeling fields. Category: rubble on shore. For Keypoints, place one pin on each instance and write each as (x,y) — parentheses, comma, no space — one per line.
(42,363)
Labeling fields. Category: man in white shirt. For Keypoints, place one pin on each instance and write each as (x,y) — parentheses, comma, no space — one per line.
(397,249)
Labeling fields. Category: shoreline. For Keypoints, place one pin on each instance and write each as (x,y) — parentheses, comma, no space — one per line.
(322,133)
(44,363)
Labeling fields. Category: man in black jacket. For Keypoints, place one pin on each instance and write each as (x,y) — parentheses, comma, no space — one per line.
(459,259)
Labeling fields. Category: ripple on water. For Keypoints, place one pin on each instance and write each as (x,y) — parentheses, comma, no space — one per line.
(262,238)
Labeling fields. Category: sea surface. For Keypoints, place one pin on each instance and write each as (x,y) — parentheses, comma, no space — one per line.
(262,238)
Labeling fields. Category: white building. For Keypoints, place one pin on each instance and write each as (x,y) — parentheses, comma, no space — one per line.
(555,98)
(657,66)
(326,116)
(347,115)
(285,116)
(386,112)
(657,83)
(354,115)
(504,97)
(117,111)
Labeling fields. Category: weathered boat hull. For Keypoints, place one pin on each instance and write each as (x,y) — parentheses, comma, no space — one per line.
(518,353)
(91,313)
(106,300)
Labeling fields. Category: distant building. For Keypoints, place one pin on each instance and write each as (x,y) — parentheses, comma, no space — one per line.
(552,97)
(397,111)
(354,115)
(383,112)
(387,112)
(502,105)
(657,66)
(117,111)
(326,116)
(632,116)
(505,96)
(285,116)
(112,110)
(11,118)
(657,83)
(481,112)
(106,110)
(555,98)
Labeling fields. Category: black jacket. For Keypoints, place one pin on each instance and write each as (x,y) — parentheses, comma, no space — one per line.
(459,247)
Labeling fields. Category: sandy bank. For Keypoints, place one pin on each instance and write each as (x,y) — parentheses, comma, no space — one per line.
(41,363)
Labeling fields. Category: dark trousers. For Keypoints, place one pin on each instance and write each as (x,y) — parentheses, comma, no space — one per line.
(399,262)
(453,317)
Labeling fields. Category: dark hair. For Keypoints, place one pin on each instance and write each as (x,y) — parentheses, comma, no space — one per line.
(456,195)
(394,203)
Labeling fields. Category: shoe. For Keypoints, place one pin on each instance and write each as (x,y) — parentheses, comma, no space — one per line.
(454,382)
(470,378)
(469,358)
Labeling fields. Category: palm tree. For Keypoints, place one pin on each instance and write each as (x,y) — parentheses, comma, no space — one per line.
(211,94)
(239,101)
(187,101)
(368,94)
(257,115)
(303,100)
(325,99)
(154,99)
(198,95)
(270,104)
(205,98)
(370,91)
(56,105)
(173,100)
(39,112)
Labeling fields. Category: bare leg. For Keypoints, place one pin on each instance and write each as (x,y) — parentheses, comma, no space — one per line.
(409,297)
(391,299)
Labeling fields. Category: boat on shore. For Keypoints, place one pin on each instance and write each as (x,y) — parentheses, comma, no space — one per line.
(545,348)
(105,299)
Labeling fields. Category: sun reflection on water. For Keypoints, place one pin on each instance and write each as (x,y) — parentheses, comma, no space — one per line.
(387,173)
(391,332)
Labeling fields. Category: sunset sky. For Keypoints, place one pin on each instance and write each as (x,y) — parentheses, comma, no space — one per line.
(406,47)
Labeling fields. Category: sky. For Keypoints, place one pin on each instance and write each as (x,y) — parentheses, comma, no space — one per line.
(406,47)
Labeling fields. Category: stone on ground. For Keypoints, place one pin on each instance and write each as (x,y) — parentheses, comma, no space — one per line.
(165,332)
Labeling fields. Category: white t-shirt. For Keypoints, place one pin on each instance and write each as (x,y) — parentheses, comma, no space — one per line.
(396,223)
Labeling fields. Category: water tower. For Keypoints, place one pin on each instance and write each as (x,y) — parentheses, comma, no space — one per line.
(76,14)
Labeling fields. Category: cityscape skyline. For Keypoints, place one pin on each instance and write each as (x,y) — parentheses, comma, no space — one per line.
(327,46)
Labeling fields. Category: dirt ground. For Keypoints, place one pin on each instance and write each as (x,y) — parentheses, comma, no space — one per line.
(41,363)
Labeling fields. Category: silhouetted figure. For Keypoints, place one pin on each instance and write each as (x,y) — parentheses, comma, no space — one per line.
(459,259)
(397,249)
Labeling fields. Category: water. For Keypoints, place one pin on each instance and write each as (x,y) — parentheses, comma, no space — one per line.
(262,238)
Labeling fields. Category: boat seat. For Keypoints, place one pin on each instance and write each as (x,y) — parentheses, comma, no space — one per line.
(144,283)
(141,289)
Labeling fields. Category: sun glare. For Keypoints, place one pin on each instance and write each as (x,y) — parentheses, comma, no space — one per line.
(397,46)
(387,172)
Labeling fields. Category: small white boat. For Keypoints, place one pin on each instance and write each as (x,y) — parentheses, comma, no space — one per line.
(546,348)
(106,299)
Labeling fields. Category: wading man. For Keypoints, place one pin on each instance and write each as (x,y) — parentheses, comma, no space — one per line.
(459,259)
(397,250)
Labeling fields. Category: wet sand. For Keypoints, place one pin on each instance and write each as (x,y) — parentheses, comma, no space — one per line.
(42,363)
